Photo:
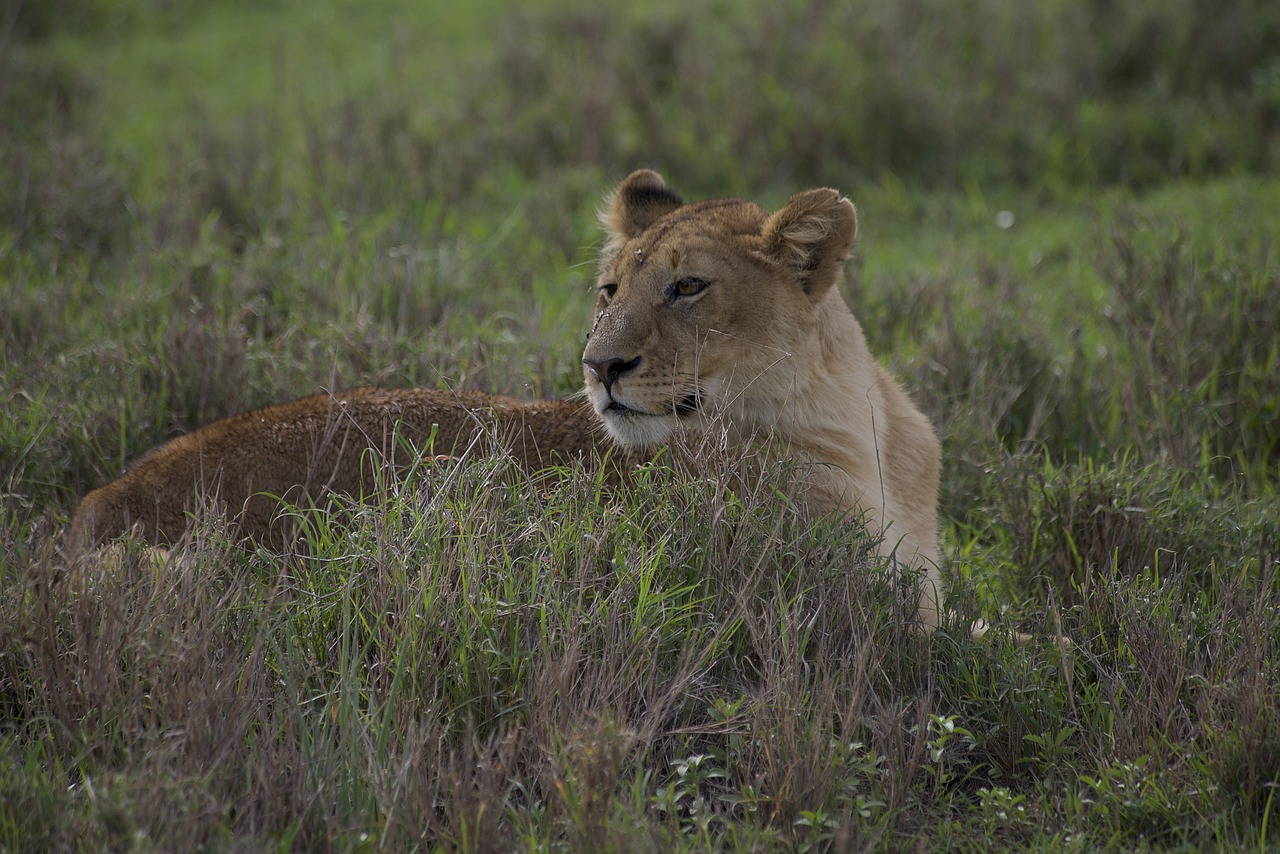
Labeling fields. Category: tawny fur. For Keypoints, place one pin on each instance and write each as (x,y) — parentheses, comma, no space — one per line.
(714,316)
(326,443)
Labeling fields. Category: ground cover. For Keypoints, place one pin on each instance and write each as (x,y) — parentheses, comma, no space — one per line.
(1067,252)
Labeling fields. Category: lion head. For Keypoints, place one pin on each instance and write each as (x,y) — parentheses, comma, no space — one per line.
(710,310)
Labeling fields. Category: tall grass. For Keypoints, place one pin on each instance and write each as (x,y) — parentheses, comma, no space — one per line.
(488,658)
(1050,95)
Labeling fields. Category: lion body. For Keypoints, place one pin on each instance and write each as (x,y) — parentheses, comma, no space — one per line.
(712,318)
(299,452)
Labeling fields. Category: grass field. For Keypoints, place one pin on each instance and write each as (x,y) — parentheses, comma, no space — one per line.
(1068,253)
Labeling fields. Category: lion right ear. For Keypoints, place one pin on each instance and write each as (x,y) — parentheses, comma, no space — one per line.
(812,236)
(640,200)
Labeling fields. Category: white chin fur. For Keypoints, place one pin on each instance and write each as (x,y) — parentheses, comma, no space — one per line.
(642,430)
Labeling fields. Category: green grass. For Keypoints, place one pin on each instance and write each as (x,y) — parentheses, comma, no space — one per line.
(210,207)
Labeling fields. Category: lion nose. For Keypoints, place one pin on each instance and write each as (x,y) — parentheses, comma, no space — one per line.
(607,371)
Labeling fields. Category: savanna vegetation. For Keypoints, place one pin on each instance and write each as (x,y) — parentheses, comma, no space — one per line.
(1069,253)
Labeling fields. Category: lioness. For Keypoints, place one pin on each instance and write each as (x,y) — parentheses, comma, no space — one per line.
(710,316)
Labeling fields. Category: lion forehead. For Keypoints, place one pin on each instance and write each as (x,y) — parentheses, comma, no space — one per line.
(719,228)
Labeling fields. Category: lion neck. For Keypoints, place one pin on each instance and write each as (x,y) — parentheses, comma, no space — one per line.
(834,413)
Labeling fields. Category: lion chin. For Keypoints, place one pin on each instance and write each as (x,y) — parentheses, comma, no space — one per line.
(633,428)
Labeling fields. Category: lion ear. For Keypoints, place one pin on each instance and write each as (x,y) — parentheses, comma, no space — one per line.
(812,235)
(639,201)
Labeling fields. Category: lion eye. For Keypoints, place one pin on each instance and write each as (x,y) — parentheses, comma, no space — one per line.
(607,291)
(688,287)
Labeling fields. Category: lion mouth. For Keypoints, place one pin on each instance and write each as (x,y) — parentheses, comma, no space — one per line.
(690,404)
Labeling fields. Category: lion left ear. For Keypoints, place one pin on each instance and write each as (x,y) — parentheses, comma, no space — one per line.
(812,235)
(640,200)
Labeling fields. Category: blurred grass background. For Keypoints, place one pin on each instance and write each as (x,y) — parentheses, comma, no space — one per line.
(1068,252)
